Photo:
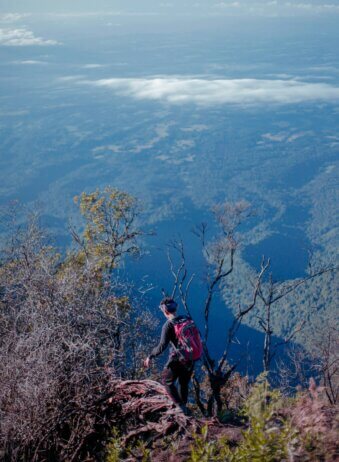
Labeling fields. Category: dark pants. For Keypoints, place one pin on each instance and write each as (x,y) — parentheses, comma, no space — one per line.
(173,371)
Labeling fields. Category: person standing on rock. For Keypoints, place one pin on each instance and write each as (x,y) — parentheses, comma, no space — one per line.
(186,348)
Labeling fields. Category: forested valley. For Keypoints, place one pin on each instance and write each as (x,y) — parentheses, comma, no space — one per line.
(74,335)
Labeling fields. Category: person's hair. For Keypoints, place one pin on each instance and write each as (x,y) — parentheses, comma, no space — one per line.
(170,304)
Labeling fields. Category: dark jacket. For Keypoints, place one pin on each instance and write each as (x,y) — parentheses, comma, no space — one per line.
(167,336)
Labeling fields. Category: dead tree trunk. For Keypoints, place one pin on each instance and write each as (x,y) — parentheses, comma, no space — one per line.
(145,412)
(270,293)
(219,256)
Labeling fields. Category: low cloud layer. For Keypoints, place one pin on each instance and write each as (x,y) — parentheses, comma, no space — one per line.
(216,92)
(86,9)
(93,66)
(12,17)
(29,62)
(22,37)
(280,7)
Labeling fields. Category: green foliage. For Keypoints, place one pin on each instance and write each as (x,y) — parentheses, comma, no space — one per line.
(144,454)
(204,450)
(110,229)
(115,451)
(314,302)
(114,447)
(268,434)
(266,440)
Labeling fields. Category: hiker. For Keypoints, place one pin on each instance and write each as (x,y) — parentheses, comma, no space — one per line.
(185,349)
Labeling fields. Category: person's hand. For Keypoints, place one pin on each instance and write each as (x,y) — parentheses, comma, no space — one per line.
(147,362)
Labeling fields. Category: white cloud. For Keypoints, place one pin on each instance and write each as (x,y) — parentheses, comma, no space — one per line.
(83,14)
(71,78)
(22,37)
(12,17)
(13,113)
(267,7)
(92,66)
(284,136)
(229,5)
(101,14)
(216,92)
(278,137)
(312,6)
(29,62)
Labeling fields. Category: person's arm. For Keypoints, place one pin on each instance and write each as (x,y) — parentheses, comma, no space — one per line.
(164,340)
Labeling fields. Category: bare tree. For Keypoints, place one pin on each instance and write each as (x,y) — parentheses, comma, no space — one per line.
(319,362)
(219,255)
(270,293)
(326,360)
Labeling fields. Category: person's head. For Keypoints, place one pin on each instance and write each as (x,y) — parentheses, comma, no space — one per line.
(169,307)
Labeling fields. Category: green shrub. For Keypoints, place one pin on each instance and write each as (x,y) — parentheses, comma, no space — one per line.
(114,448)
(267,438)
(116,452)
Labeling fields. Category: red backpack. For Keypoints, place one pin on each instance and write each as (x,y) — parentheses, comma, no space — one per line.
(189,342)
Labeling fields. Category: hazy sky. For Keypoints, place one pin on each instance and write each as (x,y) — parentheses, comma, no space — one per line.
(231,7)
